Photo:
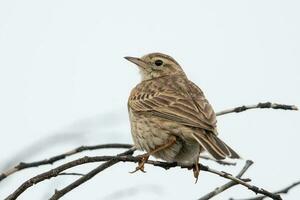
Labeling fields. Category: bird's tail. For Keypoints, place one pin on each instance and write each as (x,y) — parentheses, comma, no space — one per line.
(214,146)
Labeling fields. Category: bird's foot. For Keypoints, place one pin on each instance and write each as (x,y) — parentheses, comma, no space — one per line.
(141,165)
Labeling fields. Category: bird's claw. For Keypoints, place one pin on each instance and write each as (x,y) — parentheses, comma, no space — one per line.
(141,165)
(196,171)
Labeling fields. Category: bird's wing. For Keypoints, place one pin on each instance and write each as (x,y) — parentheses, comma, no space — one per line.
(182,101)
(177,100)
(210,142)
(204,107)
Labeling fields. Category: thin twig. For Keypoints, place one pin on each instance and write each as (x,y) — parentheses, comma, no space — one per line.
(24,165)
(70,174)
(259,105)
(228,185)
(253,188)
(221,162)
(111,161)
(282,191)
(59,193)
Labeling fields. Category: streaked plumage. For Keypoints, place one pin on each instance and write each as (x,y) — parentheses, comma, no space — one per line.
(167,105)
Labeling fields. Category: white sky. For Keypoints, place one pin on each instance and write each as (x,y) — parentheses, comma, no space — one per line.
(62,72)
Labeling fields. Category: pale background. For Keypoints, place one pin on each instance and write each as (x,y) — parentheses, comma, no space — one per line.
(64,83)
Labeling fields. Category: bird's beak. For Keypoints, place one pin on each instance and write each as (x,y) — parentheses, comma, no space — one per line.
(139,62)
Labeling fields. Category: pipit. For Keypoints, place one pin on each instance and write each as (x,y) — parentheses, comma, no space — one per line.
(170,117)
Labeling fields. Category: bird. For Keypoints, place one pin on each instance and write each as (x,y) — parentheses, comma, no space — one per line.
(170,118)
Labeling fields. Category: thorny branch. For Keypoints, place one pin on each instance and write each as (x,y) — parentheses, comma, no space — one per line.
(127,157)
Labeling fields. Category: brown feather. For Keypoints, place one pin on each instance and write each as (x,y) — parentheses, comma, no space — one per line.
(172,101)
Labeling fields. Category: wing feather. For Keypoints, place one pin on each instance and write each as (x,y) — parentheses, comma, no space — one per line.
(174,99)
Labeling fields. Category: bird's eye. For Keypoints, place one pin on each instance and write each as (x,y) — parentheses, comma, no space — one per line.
(158,62)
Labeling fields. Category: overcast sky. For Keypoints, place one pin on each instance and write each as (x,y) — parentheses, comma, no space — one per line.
(64,83)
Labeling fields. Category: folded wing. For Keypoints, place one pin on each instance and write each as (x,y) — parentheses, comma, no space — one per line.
(180,100)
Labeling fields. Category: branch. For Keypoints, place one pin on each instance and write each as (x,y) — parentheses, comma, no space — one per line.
(24,165)
(221,162)
(282,191)
(51,160)
(70,174)
(259,105)
(56,171)
(88,176)
(113,160)
(228,185)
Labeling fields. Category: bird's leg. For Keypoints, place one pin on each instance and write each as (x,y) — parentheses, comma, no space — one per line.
(196,170)
(141,163)
(145,157)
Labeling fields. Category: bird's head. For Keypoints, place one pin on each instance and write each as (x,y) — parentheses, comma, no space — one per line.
(156,65)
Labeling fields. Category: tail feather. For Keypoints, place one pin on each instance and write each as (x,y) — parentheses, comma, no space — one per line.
(232,152)
(211,149)
(218,144)
(215,146)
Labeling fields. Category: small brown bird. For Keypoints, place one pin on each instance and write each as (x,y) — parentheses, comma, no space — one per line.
(170,116)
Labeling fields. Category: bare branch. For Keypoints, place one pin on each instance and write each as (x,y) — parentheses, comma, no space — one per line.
(56,171)
(113,160)
(41,145)
(259,105)
(70,174)
(88,176)
(24,165)
(228,185)
(51,160)
(253,188)
(221,162)
(282,191)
